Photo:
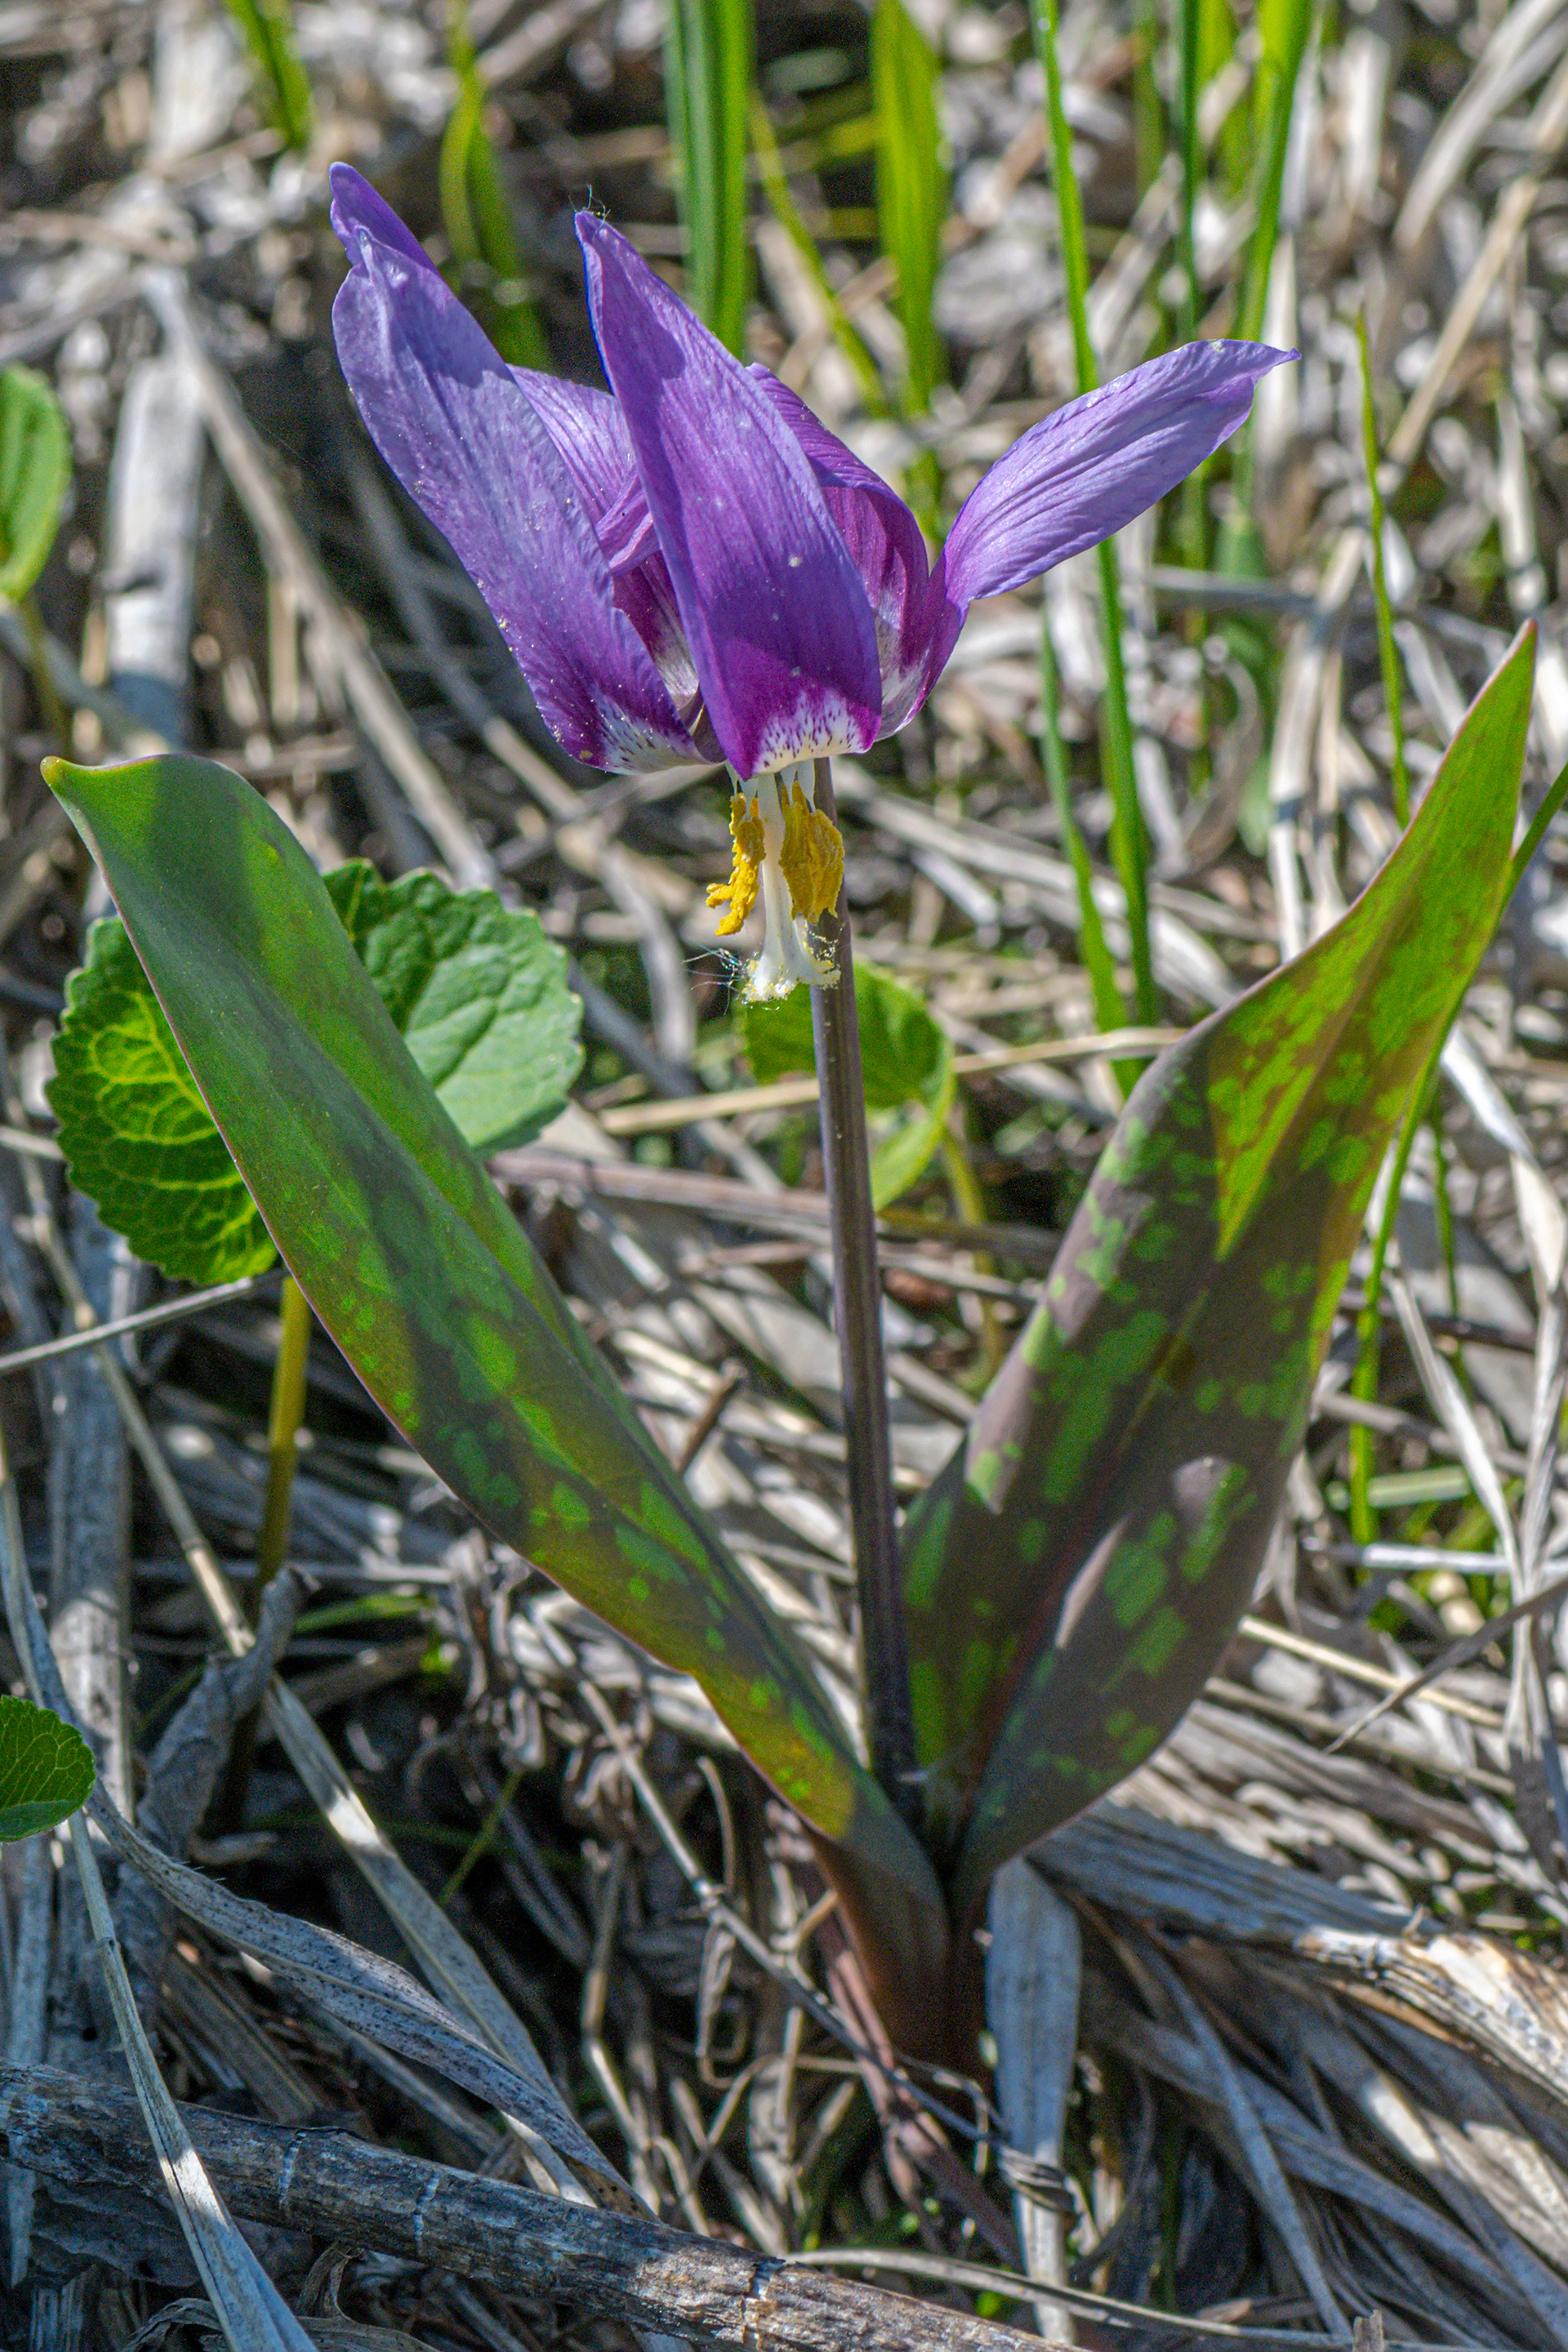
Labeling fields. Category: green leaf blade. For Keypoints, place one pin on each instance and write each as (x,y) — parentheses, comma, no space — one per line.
(47,1771)
(35,474)
(1075,1572)
(421,1273)
(137,1136)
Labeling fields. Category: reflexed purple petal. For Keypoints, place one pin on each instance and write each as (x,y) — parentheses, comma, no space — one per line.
(468,446)
(886,546)
(774,609)
(1080,474)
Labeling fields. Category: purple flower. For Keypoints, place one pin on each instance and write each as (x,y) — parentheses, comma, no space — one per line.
(695,568)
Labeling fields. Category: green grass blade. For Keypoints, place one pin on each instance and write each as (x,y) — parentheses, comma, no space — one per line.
(707,61)
(1074,1574)
(477,221)
(775,189)
(269,30)
(1284,28)
(1188,36)
(1128,841)
(1387,652)
(1108,1010)
(911,186)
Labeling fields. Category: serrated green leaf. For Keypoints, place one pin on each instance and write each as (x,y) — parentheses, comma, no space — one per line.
(35,474)
(1074,1574)
(138,1138)
(424,1277)
(478,991)
(45,1770)
(907,1063)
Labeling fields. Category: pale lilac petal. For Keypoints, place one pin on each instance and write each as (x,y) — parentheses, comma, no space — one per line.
(1082,473)
(886,546)
(471,448)
(772,607)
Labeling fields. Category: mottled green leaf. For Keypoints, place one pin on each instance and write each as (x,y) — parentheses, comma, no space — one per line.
(35,474)
(45,1770)
(907,1063)
(137,1136)
(1074,1574)
(428,1283)
(477,991)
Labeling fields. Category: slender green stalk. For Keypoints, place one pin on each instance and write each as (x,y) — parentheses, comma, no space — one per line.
(912,185)
(284,1417)
(268,26)
(484,1835)
(858,1315)
(776,187)
(283,1425)
(707,85)
(1188,30)
(1556,792)
(477,219)
(55,717)
(1129,844)
(1109,1009)
(1283,26)
(1387,652)
(1364,1379)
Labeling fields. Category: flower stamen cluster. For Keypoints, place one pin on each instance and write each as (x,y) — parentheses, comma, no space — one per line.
(784,846)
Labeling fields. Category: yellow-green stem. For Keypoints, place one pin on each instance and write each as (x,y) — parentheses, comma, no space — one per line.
(55,717)
(1387,652)
(284,1420)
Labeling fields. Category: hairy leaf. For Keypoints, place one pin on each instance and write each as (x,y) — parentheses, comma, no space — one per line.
(45,1770)
(478,993)
(907,1063)
(35,474)
(422,1274)
(1074,1574)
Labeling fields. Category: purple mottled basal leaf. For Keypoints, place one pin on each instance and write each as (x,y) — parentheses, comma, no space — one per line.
(1073,1576)
(430,1286)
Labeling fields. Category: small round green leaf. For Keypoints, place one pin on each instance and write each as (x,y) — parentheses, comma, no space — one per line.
(140,1140)
(478,993)
(45,1770)
(906,1062)
(35,474)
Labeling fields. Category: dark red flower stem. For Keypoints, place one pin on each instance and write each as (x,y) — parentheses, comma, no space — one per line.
(858,1315)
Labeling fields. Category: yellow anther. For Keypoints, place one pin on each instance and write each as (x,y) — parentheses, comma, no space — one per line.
(812,857)
(739,893)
